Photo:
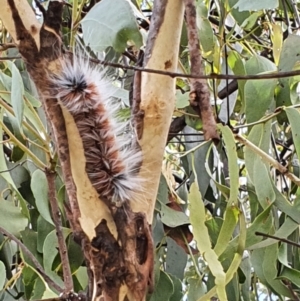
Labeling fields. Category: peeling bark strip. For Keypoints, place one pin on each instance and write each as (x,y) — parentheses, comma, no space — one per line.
(116,241)
(200,96)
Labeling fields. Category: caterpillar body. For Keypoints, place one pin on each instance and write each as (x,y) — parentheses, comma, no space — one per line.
(112,161)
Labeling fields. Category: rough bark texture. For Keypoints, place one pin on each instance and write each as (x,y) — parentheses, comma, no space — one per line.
(199,96)
(116,241)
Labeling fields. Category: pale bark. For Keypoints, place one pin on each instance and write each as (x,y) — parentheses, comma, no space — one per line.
(158,95)
(100,227)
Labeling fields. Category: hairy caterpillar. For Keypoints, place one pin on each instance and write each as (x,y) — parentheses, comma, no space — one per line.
(112,161)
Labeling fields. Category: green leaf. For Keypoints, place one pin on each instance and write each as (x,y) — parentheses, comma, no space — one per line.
(43,229)
(270,271)
(6,254)
(39,187)
(260,136)
(287,228)
(162,193)
(176,259)
(196,289)
(246,269)
(111,24)
(261,174)
(251,21)
(6,175)
(245,5)
(29,238)
(276,37)
(2,275)
(75,255)
(182,100)
(177,295)
(294,117)
(11,218)
(234,265)
(285,206)
(231,151)
(173,218)
(288,58)
(50,248)
(164,288)
(259,95)
(259,64)
(205,31)
(38,289)
(262,223)
(197,217)
(50,251)
(82,276)
(290,275)
(240,17)
(29,277)
(35,103)
(17,93)
(228,226)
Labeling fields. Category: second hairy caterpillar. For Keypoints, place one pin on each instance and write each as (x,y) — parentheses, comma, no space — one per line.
(112,161)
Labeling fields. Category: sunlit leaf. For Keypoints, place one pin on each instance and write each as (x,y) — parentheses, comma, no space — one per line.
(197,216)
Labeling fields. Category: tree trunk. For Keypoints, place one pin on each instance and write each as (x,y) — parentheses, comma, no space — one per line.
(116,241)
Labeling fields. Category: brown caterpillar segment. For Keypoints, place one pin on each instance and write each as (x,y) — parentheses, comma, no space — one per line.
(112,161)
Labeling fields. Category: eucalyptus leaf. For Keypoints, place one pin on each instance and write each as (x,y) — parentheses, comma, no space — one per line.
(258,93)
(39,187)
(197,217)
(111,25)
(2,275)
(176,259)
(289,56)
(17,93)
(173,218)
(11,217)
(164,288)
(245,5)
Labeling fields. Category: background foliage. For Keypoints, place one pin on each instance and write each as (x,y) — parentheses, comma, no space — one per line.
(212,198)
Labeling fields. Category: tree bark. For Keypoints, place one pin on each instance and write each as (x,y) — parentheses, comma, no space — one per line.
(116,242)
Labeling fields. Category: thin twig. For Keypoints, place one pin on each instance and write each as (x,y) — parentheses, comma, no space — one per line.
(265,157)
(56,215)
(8,58)
(38,266)
(270,75)
(6,46)
(278,238)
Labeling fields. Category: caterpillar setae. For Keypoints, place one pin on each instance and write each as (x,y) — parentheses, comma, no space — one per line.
(112,161)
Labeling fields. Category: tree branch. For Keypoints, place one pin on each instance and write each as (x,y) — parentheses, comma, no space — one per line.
(200,96)
(270,75)
(38,266)
(265,157)
(56,215)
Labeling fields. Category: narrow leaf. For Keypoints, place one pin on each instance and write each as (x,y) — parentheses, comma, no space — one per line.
(197,216)
(39,187)
(17,93)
